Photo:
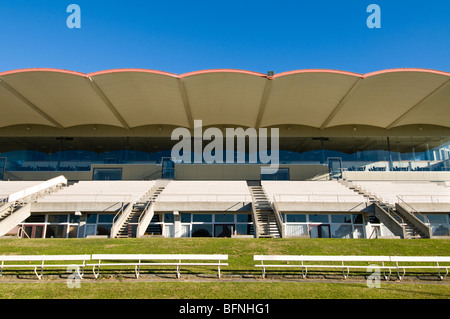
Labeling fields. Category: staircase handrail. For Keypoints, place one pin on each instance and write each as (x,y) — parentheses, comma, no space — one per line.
(414,210)
(144,210)
(278,216)
(118,218)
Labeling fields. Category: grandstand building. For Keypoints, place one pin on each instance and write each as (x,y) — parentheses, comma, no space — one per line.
(360,155)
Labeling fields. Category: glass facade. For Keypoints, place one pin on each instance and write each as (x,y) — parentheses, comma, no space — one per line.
(201,225)
(394,153)
(323,225)
(67,225)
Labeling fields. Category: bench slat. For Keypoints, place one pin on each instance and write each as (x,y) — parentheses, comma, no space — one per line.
(157,257)
(44,257)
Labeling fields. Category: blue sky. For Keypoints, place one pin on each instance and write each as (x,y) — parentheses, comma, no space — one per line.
(184,36)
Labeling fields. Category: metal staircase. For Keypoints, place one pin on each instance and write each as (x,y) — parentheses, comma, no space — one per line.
(130,224)
(265,219)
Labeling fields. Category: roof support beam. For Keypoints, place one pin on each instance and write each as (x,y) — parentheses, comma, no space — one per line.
(187,106)
(262,105)
(418,104)
(30,104)
(108,102)
(341,103)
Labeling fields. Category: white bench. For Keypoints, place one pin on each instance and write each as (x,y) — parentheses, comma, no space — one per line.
(421,259)
(138,260)
(302,262)
(38,262)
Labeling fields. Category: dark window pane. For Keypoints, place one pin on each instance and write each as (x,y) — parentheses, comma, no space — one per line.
(74,219)
(91,218)
(318,218)
(185,218)
(57,218)
(201,230)
(105,218)
(357,218)
(244,218)
(224,218)
(202,218)
(341,219)
(296,218)
(104,229)
(35,219)
(56,231)
(168,218)
(244,229)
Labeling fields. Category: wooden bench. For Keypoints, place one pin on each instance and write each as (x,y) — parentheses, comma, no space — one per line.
(38,262)
(421,259)
(139,260)
(303,262)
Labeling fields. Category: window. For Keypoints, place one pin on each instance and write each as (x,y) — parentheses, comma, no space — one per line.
(313,218)
(244,218)
(341,231)
(185,218)
(57,219)
(323,225)
(56,231)
(168,218)
(224,218)
(295,218)
(202,218)
(105,218)
(341,219)
(202,230)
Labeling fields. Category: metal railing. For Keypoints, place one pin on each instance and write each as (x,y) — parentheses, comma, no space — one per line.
(434,199)
(319,198)
(414,211)
(204,198)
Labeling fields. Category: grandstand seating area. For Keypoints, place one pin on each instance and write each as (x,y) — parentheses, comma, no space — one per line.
(9,187)
(310,191)
(205,191)
(101,191)
(410,192)
(339,205)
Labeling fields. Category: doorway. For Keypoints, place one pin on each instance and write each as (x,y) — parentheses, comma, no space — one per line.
(335,167)
(319,231)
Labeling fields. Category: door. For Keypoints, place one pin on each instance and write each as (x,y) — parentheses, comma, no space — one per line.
(168,168)
(335,167)
(221,230)
(319,231)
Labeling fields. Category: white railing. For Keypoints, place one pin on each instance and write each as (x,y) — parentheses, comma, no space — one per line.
(341,198)
(88,197)
(204,198)
(60,180)
(434,199)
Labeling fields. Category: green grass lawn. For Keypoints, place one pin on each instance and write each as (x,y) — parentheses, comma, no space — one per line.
(240,261)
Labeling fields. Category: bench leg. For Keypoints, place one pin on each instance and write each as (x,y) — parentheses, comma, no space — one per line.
(439,273)
(137,268)
(80,273)
(346,275)
(42,271)
(178,272)
(263,272)
(96,274)
(400,277)
(218,271)
(304,272)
